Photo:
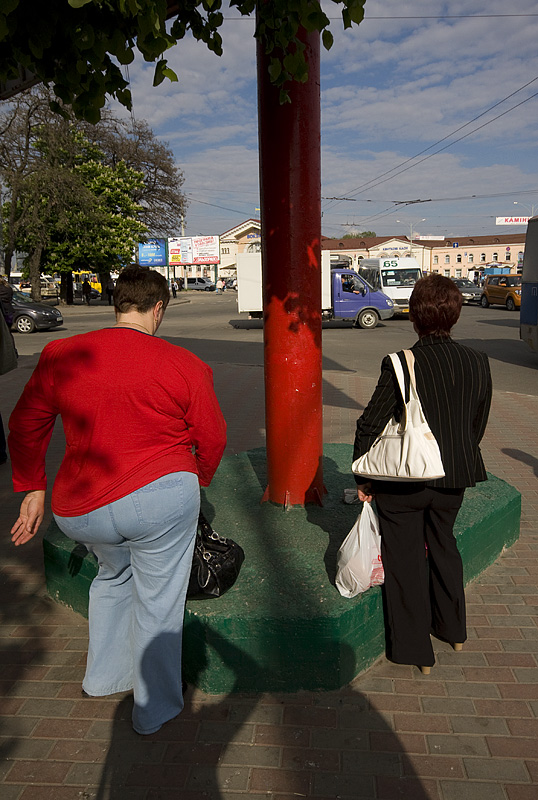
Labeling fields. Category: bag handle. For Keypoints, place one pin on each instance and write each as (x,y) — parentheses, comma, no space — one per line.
(398,369)
(410,359)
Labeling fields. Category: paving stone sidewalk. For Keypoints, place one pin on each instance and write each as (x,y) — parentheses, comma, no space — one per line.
(467,732)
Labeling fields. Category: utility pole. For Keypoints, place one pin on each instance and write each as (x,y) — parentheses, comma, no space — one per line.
(290,190)
(411,225)
(531,208)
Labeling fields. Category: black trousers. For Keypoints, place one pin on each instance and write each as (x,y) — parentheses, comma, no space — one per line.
(423,569)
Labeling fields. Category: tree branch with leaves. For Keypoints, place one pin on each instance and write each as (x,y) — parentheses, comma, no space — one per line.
(77,47)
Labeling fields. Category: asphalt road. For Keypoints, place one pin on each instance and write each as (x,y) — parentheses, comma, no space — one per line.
(210,326)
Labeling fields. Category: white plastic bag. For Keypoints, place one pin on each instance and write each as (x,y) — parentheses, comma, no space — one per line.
(358,562)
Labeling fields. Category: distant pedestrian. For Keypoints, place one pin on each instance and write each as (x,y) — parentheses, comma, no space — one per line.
(110,291)
(173,286)
(180,283)
(86,291)
(220,285)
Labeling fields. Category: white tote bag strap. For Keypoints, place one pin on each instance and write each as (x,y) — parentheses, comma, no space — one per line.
(410,359)
(398,369)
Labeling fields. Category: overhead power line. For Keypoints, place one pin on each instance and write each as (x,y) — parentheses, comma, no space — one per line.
(376,181)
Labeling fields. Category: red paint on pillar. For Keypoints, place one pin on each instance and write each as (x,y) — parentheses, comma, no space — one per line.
(290,189)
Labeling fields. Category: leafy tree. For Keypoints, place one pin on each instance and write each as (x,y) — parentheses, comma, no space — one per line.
(68,207)
(75,46)
(44,190)
(18,159)
(162,201)
(361,235)
(100,238)
(80,195)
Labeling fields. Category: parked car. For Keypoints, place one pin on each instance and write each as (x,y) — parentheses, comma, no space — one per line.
(48,288)
(201,284)
(503,290)
(31,316)
(469,290)
(77,292)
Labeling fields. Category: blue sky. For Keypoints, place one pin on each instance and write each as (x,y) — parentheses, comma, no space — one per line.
(389,89)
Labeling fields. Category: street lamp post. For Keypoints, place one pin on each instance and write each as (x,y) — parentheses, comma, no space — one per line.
(411,224)
(532,208)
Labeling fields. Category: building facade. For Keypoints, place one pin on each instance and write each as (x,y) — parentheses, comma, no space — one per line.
(455,257)
(244,238)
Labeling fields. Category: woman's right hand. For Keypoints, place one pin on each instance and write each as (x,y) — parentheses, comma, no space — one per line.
(30,517)
(364,490)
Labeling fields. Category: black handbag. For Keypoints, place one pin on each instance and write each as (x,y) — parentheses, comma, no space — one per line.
(216,562)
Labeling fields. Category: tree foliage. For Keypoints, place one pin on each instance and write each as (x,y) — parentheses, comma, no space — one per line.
(68,206)
(359,235)
(99,238)
(78,46)
(80,195)
(162,202)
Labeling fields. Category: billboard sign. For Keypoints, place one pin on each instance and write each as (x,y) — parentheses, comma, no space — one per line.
(511,220)
(152,253)
(174,252)
(205,250)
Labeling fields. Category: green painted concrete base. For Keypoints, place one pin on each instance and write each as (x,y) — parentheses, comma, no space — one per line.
(283,626)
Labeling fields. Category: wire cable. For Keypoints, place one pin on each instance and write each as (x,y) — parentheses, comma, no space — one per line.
(367,185)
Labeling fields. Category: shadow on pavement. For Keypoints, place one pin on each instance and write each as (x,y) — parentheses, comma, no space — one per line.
(327,744)
(520,455)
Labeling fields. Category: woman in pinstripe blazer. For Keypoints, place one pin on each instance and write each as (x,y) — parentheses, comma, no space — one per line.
(426,596)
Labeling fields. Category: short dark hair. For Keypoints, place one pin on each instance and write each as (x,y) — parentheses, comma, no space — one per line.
(435,305)
(140,289)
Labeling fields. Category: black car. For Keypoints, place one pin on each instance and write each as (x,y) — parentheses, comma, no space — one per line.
(469,291)
(31,316)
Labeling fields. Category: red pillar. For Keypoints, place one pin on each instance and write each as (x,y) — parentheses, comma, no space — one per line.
(290,189)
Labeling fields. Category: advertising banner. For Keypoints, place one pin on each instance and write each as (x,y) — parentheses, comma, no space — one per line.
(152,253)
(185,246)
(511,220)
(205,250)
(174,251)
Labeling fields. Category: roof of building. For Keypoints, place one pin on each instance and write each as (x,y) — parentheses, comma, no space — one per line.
(368,243)
(241,228)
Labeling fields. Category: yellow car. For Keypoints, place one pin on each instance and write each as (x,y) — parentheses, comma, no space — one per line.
(502,290)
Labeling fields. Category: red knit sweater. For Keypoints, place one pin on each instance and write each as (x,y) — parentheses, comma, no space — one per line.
(133,407)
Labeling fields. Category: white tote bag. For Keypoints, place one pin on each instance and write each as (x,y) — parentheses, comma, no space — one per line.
(359,558)
(406,450)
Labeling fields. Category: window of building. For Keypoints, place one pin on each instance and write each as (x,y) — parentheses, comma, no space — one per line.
(458,273)
(495,256)
(507,256)
(255,247)
(470,258)
(447,273)
(436,271)
(447,260)
(483,258)
(436,259)
(225,251)
(458,258)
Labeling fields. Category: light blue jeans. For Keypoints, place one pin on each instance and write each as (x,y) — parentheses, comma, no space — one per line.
(143,544)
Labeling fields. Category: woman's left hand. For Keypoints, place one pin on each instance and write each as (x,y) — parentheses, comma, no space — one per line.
(30,517)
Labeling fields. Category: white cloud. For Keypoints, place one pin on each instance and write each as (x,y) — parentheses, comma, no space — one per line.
(390,89)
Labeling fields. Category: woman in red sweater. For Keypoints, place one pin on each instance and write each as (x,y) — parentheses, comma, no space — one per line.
(143,430)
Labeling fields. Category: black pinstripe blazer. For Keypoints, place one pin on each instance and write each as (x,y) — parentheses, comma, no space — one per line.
(454,386)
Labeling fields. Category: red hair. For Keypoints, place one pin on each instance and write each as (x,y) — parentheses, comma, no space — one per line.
(435,305)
